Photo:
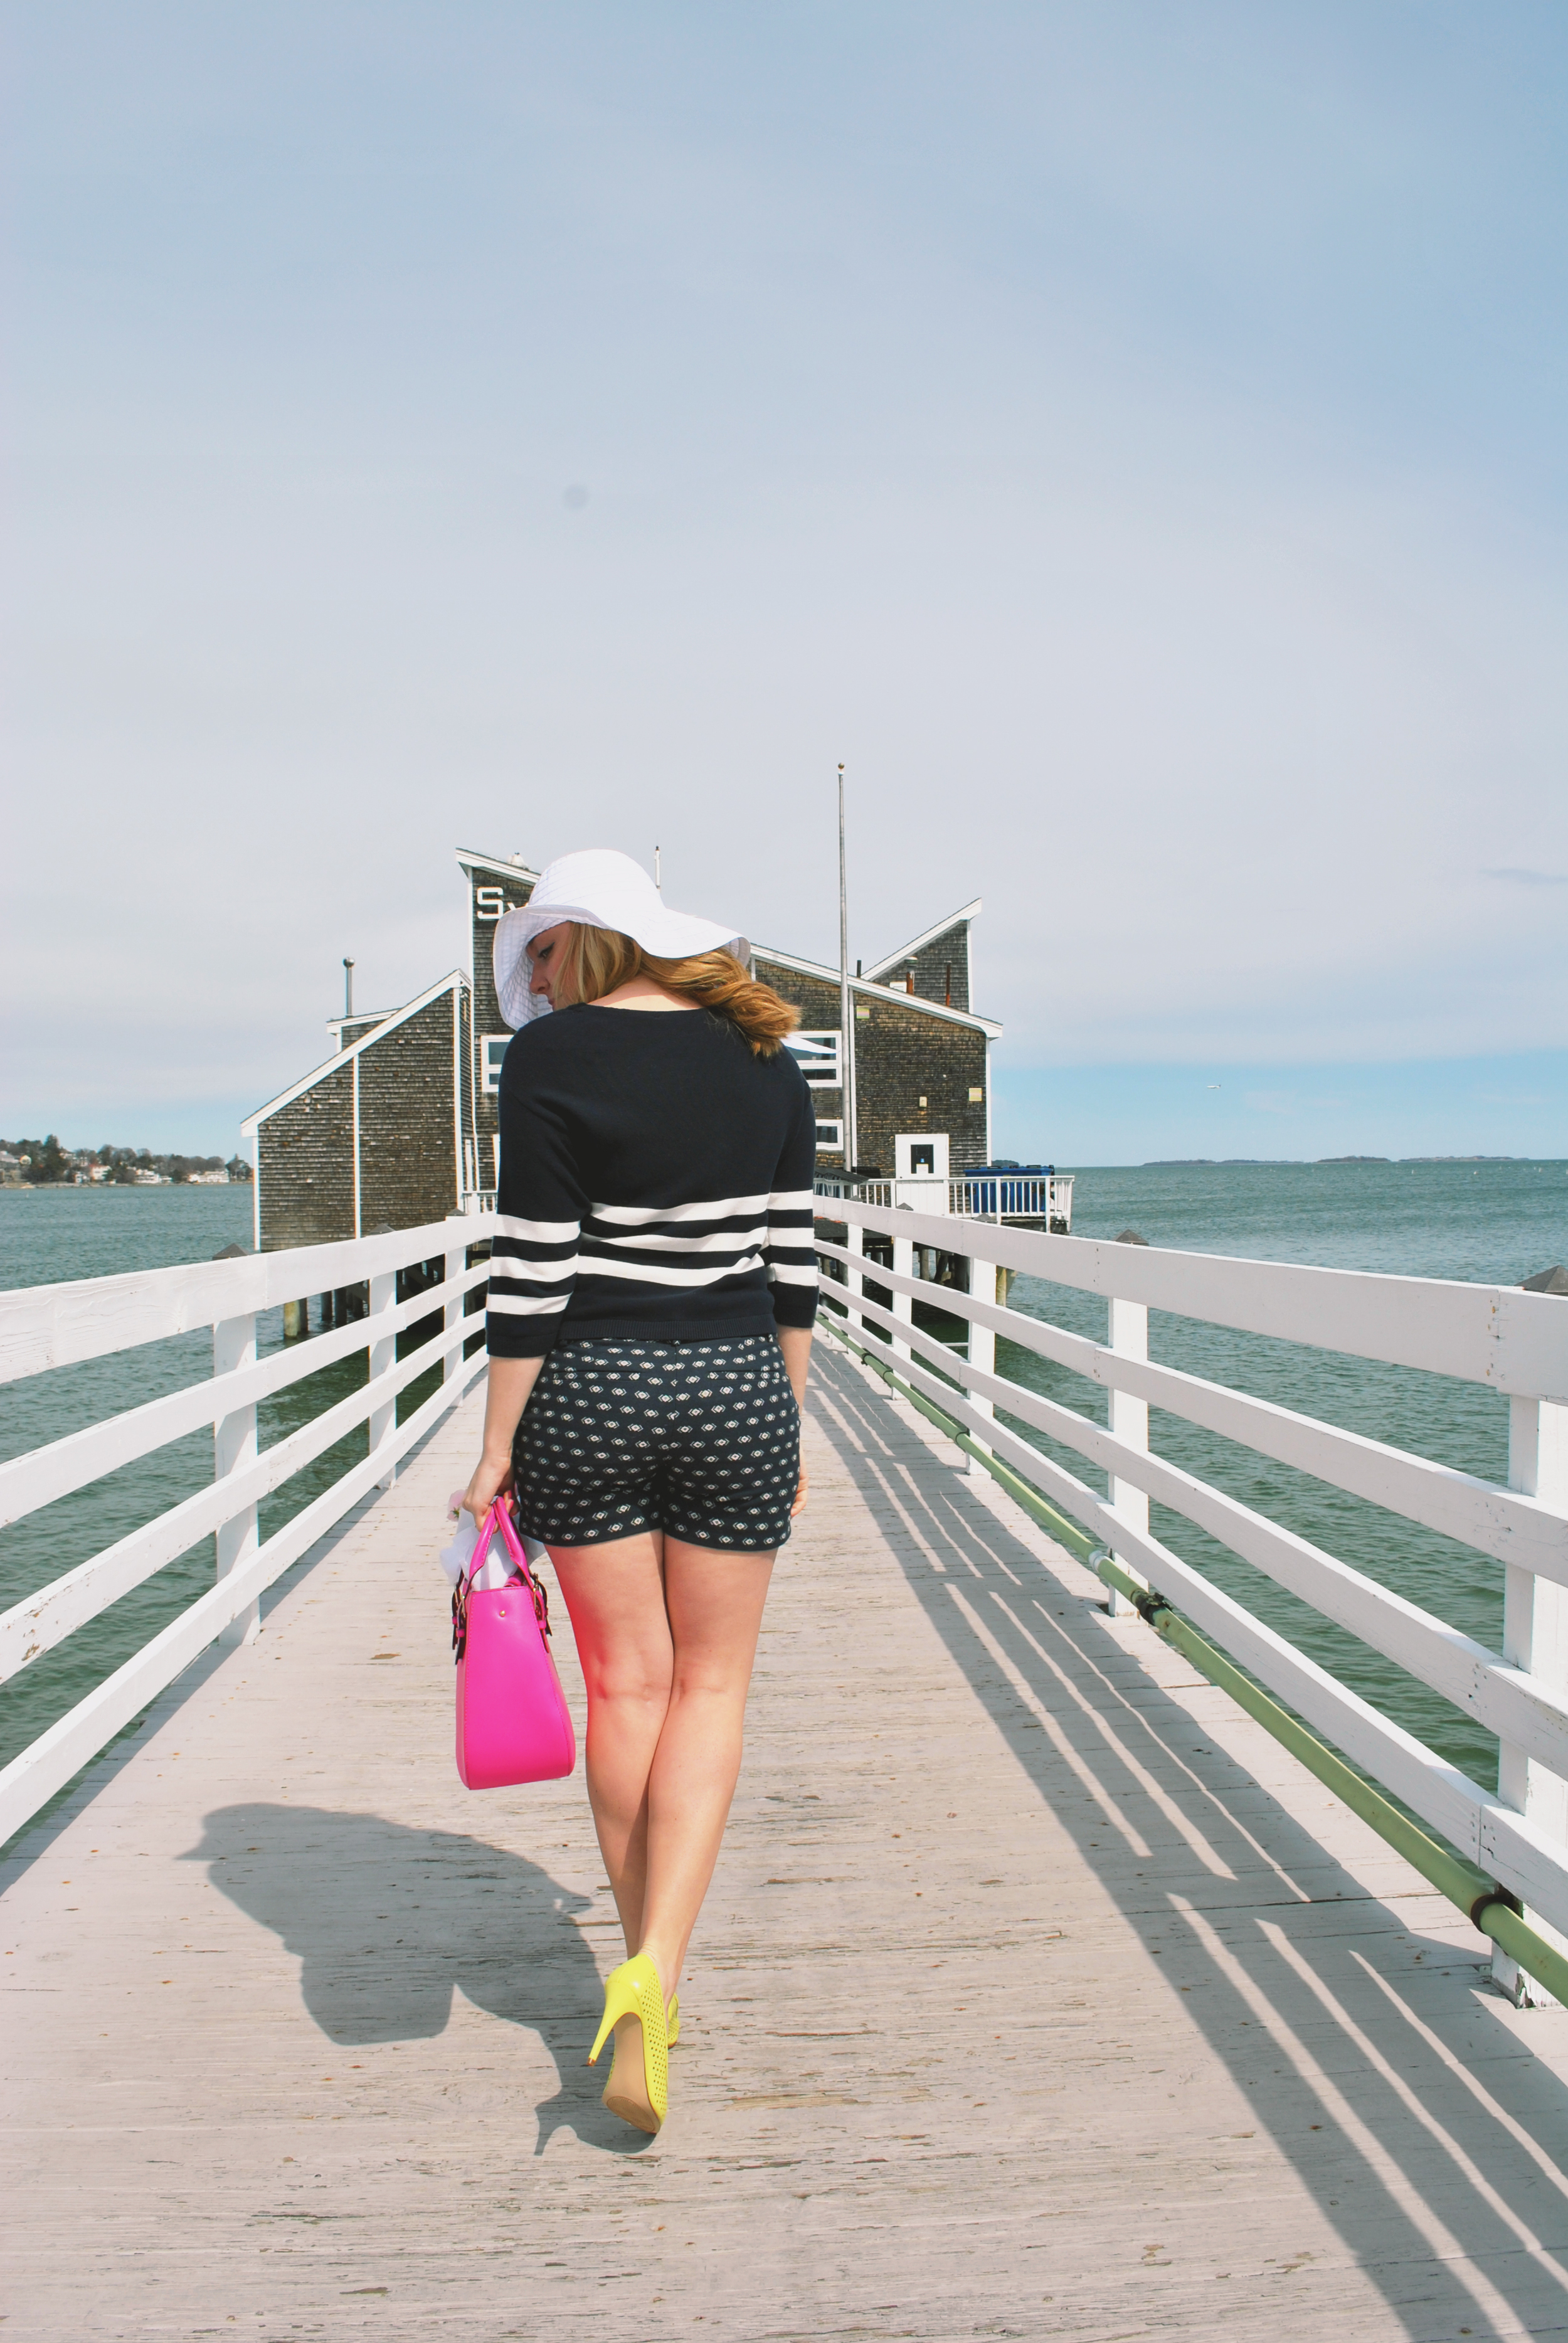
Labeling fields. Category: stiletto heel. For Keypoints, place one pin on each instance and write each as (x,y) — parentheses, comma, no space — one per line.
(672,2020)
(633,1990)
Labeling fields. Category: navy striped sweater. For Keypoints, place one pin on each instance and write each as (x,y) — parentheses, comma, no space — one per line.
(655,1183)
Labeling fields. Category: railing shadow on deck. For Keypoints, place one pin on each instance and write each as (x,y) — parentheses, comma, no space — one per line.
(386,1921)
(1476,2136)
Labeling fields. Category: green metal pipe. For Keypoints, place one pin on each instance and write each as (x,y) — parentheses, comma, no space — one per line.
(1490,1909)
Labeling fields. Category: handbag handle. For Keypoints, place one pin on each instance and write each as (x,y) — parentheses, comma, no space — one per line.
(499,1516)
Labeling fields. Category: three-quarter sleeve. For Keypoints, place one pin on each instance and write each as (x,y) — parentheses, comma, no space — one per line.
(540,1208)
(789,1253)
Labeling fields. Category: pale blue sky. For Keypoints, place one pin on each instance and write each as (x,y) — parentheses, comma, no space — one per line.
(1130,436)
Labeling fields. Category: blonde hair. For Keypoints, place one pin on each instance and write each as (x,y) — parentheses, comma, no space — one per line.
(595,961)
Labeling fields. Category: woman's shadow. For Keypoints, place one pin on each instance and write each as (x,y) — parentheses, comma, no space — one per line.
(385,1921)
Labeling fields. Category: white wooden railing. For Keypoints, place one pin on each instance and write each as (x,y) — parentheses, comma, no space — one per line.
(1014,1196)
(46,1326)
(986,1196)
(1512,1342)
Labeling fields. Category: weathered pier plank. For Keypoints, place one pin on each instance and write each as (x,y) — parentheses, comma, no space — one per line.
(1040,1993)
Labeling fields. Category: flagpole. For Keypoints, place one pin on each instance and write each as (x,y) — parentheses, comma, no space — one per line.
(846,1003)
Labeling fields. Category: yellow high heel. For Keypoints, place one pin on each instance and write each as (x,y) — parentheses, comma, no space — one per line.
(672,2020)
(633,1990)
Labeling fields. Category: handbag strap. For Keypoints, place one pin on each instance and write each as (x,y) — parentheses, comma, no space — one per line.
(499,1517)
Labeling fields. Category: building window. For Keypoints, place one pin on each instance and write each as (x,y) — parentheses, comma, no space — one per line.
(829,1139)
(492,1050)
(817,1055)
(977,1098)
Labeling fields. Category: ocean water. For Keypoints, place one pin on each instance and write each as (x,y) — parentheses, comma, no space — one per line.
(52,1235)
(1489,1223)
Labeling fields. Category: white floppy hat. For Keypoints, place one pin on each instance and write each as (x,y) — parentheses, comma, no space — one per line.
(599,889)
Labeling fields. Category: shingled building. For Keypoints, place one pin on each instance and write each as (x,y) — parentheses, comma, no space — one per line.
(398,1126)
(381,1136)
(922,1058)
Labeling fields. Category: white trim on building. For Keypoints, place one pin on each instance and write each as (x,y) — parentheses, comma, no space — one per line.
(456,980)
(918,944)
(892,993)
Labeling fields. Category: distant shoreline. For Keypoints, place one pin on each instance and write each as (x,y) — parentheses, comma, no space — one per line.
(116,1187)
(1315,1162)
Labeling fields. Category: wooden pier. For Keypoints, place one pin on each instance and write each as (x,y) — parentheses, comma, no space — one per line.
(1040,1993)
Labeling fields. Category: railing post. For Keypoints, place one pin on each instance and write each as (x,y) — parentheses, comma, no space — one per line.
(234,1444)
(1535,1636)
(383,1358)
(903,1303)
(983,1282)
(452,1357)
(1129,1420)
(854,1281)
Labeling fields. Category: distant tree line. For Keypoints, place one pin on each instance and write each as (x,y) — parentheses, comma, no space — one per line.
(44,1163)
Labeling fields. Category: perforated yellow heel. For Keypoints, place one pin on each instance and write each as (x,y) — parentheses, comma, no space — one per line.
(633,1990)
(672,2021)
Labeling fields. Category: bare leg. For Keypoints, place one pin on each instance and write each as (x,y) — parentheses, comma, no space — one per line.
(715,1606)
(667,1657)
(615,1595)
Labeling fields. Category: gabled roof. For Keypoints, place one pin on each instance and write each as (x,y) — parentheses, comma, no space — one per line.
(874,991)
(919,943)
(505,865)
(332,1065)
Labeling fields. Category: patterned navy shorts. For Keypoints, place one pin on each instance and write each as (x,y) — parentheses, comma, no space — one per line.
(699,1438)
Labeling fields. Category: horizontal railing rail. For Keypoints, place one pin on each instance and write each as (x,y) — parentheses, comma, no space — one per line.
(1507,1700)
(1495,1336)
(42,1474)
(1503,1523)
(45,1327)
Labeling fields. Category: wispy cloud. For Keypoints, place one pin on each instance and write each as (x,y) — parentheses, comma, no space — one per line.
(1529,877)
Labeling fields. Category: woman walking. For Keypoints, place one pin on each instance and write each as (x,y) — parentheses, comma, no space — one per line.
(652,1292)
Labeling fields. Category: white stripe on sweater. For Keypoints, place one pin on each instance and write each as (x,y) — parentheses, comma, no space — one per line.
(646,1274)
(514,1270)
(725,1241)
(720,1208)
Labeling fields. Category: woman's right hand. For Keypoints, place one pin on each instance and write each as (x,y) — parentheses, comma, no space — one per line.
(490,1479)
(511,1382)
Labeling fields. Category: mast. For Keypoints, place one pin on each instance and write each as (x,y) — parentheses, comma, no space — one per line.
(846,1004)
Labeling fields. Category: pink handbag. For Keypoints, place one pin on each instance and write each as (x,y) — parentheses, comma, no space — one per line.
(513,1723)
